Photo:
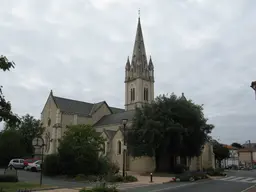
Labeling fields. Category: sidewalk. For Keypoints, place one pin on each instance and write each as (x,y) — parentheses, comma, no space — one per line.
(146,179)
(142,180)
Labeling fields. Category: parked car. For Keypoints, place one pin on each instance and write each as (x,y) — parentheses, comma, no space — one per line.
(27,161)
(34,167)
(16,163)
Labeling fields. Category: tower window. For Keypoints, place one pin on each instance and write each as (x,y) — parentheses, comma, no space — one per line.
(145,94)
(132,94)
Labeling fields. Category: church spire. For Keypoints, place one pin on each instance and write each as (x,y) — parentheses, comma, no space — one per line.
(139,51)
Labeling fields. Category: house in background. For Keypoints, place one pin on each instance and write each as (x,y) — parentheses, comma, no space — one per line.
(233,159)
(247,156)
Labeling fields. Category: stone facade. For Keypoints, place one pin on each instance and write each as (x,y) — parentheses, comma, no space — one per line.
(60,112)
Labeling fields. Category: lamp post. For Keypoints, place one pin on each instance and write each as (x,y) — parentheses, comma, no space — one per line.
(38,142)
(124,122)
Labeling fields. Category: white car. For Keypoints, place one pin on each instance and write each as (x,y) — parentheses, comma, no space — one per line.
(35,166)
(17,163)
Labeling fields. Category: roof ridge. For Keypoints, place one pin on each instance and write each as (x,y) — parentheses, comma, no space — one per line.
(73,100)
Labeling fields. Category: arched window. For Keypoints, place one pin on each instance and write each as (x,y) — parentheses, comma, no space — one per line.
(145,94)
(132,94)
(47,142)
(119,147)
(104,148)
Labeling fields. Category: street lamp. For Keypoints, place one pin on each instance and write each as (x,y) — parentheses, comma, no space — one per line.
(38,142)
(124,122)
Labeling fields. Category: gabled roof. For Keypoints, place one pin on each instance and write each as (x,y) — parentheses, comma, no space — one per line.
(115,118)
(71,106)
(110,134)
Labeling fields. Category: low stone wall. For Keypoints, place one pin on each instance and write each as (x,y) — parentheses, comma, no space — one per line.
(142,164)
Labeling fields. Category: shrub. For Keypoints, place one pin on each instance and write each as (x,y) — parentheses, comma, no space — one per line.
(216,172)
(192,176)
(130,178)
(179,168)
(113,168)
(8,178)
(115,178)
(120,178)
(51,165)
(90,178)
(100,189)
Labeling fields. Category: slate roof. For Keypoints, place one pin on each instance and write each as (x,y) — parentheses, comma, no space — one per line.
(79,107)
(110,134)
(115,118)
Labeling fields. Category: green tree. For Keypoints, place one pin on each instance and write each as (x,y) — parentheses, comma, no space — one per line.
(11,146)
(220,152)
(237,145)
(6,113)
(169,127)
(79,150)
(29,128)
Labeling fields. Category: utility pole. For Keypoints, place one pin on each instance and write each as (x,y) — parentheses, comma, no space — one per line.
(250,146)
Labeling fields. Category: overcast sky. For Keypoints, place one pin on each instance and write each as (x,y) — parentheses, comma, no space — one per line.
(78,48)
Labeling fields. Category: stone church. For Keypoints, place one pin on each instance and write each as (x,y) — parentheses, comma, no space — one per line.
(58,112)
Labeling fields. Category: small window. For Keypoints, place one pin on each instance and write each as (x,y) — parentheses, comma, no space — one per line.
(21,161)
(104,148)
(119,147)
(15,161)
(145,94)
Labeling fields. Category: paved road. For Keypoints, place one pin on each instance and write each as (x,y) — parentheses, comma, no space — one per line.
(202,186)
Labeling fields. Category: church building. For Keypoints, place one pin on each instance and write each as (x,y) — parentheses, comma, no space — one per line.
(59,112)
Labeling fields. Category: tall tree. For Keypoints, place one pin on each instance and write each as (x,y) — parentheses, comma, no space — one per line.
(11,146)
(220,152)
(79,150)
(6,113)
(237,145)
(29,128)
(170,125)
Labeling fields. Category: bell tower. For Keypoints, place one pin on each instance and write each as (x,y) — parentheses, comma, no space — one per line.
(139,75)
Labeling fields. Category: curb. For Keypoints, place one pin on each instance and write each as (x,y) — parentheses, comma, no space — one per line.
(47,189)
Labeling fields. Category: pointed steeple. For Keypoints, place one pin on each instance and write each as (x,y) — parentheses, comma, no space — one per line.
(150,64)
(128,65)
(139,51)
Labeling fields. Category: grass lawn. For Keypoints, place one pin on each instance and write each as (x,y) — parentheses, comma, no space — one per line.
(13,187)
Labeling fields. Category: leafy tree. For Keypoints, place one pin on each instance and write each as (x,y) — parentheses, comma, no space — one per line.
(79,150)
(6,113)
(169,127)
(11,146)
(29,128)
(237,145)
(220,152)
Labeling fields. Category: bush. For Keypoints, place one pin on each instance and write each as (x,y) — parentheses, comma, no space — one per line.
(90,178)
(100,189)
(120,178)
(8,178)
(51,165)
(179,168)
(216,172)
(192,176)
(130,178)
